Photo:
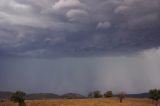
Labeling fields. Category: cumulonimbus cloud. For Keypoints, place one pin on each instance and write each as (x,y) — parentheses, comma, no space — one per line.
(78,27)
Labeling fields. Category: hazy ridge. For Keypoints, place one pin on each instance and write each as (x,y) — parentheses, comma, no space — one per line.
(39,96)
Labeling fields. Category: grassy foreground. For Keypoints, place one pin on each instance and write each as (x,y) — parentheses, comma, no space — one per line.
(84,102)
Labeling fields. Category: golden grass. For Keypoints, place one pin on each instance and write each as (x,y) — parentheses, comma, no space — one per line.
(84,102)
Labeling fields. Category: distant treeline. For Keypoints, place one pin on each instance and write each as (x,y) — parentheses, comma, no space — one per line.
(94,94)
(20,96)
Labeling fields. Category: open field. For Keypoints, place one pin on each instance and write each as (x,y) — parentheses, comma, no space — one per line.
(84,102)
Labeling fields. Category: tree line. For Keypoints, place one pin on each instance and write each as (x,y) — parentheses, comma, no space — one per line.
(108,94)
(153,94)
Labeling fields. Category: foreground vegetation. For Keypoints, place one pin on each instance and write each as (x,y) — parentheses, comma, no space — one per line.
(96,99)
(85,102)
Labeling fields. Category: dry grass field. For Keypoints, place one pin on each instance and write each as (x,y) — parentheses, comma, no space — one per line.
(84,102)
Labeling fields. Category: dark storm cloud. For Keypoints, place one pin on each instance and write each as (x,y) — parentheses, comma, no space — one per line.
(78,27)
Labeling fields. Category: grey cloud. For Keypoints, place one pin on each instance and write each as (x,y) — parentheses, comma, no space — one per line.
(103,25)
(66,4)
(75,14)
(78,27)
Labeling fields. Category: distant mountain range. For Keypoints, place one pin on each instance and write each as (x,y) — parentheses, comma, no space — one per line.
(72,96)
(141,95)
(39,96)
(5,95)
(42,96)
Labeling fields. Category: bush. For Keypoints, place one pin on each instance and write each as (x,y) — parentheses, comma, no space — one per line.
(154,94)
(95,94)
(108,94)
(18,97)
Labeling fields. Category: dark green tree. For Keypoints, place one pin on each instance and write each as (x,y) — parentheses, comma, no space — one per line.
(122,96)
(108,94)
(97,94)
(154,94)
(18,97)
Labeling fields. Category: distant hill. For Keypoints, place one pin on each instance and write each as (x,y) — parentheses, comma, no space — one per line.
(5,95)
(37,96)
(72,96)
(141,95)
(42,96)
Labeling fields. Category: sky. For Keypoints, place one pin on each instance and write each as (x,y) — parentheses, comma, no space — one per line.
(79,46)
